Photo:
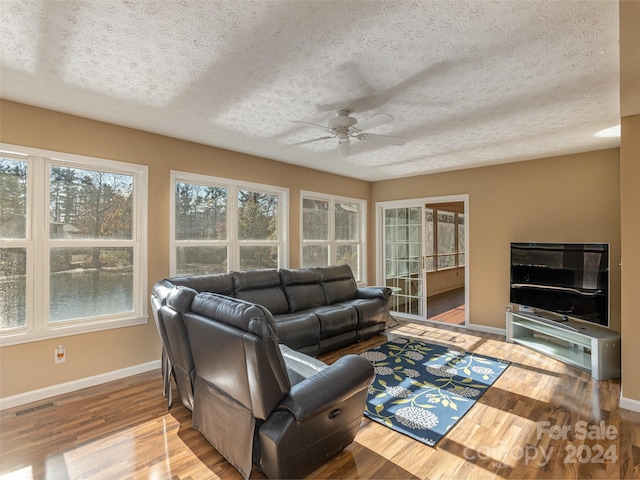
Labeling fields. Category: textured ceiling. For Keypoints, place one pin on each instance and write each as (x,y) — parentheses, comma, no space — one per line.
(468,83)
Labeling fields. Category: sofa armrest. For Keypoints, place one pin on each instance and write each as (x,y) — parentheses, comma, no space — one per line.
(333,385)
(374,292)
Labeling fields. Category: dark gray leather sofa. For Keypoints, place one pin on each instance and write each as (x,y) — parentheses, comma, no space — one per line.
(236,365)
(315,309)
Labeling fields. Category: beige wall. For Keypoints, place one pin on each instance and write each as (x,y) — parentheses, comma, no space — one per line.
(630,196)
(573,198)
(630,228)
(28,367)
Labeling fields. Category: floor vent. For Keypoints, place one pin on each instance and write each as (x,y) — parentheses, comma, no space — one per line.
(37,408)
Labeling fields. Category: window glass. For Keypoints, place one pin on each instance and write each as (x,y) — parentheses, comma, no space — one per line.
(331,232)
(446,233)
(258,257)
(257,216)
(90,282)
(315,218)
(201,260)
(347,219)
(348,254)
(315,255)
(89,204)
(13,199)
(200,212)
(13,288)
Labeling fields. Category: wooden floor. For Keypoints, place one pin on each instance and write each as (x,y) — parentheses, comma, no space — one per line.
(448,307)
(122,430)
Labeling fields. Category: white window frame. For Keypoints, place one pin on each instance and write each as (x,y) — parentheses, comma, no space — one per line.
(38,245)
(332,243)
(232,242)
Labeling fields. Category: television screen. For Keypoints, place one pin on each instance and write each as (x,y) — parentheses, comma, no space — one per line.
(569,279)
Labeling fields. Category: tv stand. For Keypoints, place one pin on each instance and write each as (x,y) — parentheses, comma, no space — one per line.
(589,347)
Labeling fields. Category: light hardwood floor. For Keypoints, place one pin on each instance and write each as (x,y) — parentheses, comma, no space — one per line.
(122,430)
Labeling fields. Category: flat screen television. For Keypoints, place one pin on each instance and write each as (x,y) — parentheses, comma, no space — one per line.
(569,279)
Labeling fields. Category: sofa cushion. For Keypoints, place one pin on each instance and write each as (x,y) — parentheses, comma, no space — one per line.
(261,287)
(234,312)
(338,283)
(302,288)
(298,330)
(336,319)
(221,283)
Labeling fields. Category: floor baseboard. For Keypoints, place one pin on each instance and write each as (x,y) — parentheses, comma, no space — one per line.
(52,391)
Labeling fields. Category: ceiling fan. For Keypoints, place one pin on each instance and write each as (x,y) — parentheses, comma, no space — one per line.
(344,128)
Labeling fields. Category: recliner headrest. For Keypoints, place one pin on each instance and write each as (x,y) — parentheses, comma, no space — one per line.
(234,312)
(180,298)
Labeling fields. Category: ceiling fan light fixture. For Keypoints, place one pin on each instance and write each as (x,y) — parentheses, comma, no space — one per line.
(343,127)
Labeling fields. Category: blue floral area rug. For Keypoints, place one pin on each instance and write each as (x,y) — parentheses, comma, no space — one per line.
(422,389)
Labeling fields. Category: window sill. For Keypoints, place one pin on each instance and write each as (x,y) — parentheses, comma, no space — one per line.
(57,331)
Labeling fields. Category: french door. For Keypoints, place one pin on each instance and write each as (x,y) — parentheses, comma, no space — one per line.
(422,251)
(403,268)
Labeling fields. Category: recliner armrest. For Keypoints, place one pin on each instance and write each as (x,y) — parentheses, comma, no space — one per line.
(374,292)
(333,385)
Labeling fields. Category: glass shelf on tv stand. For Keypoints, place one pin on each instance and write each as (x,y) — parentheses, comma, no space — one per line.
(592,348)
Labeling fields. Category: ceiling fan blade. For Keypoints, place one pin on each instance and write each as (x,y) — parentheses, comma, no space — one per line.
(344,149)
(381,139)
(309,141)
(314,125)
(374,121)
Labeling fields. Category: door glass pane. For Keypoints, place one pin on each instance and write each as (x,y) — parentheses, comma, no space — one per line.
(201,212)
(461,239)
(257,216)
(87,282)
(315,256)
(346,221)
(90,204)
(403,262)
(315,219)
(13,288)
(257,257)
(13,199)
(201,260)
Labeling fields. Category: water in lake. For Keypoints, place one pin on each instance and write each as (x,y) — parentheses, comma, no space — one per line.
(77,294)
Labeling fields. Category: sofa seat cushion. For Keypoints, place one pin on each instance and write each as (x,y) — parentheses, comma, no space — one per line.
(371,311)
(302,288)
(298,330)
(336,319)
(261,287)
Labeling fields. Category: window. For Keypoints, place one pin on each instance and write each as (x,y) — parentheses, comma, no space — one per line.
(219,225)
(73,252)
(444,239)
(333,232)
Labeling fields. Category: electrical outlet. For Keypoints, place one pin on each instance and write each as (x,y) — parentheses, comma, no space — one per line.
(60,354)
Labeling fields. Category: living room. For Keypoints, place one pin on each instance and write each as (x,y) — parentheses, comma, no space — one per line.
(588,196)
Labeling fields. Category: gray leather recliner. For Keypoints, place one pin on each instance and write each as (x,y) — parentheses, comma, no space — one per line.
(263,403)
